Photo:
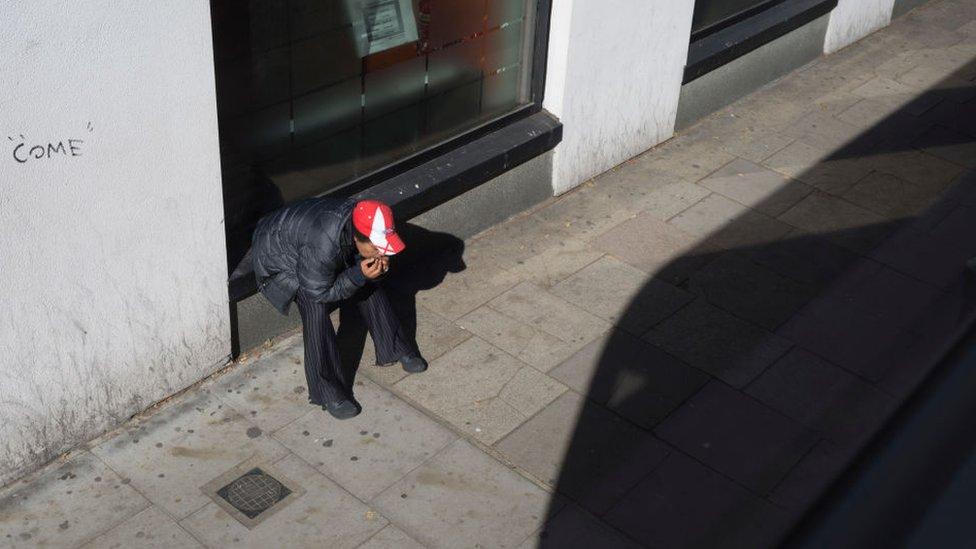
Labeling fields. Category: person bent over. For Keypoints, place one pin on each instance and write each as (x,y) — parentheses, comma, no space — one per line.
(324,253)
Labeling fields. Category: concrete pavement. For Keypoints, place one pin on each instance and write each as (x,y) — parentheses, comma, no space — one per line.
(685,351)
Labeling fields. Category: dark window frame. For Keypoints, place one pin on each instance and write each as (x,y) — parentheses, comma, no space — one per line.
(731,38)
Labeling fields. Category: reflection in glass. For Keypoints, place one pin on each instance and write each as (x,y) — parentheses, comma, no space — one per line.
(315,93)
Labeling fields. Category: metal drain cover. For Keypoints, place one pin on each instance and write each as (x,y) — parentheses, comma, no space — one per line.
(254,492)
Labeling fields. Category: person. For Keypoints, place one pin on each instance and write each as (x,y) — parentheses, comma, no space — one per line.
(324,253)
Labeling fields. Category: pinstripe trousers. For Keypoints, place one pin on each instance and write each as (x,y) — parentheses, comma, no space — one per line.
(328,379)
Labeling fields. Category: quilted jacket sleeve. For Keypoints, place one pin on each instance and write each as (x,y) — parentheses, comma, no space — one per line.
(322,282)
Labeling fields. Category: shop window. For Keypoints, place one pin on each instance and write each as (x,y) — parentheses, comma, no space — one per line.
(314,94)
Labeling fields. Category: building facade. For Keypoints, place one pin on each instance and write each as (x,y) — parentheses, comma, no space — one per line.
(143,140)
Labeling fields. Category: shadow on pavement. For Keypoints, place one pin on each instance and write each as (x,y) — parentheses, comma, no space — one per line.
(748,372)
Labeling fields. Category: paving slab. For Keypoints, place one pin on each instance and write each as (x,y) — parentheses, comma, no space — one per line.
(480,389)
(919,168)
(150,529)
(822,131)
(823,397)
(533,346)
(669,200)
(812,476)
(686,158)
(653,246)
(949,145)
(891,196)
(750,291)
(899,299)
(756,186)
(587,211)
(391,537)
(805,257)
(556,263)
(270,391)
(463,498)
(723,224)
(845,335)
(543,310)
(325,515)
(67,504)
(637,185)
(462,292)
(961,221)
(924,256)
(622,295)
(844,223)
(828,170)
(574,527)
(749,142)
(954,116)
(170,455)
(535,252)
(684,504)
(371,451)
(887,125)
(737,436)
(716,342)
(631,377)
(584,451)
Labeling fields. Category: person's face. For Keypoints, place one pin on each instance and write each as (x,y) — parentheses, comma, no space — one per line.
(367,249)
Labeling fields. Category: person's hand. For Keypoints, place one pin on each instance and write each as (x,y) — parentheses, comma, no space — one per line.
(373,268)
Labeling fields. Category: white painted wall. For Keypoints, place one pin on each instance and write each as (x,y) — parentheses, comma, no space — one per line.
(613,78)
(113,259)
(852,20)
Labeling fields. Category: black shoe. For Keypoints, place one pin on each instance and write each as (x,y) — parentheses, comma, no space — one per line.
(343,409)
(413,364)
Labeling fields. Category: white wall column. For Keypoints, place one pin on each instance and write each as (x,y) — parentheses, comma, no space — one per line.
(613,78)
(113,251)
(852,20)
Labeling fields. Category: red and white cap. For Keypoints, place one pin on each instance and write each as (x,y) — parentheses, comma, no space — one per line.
(375,220)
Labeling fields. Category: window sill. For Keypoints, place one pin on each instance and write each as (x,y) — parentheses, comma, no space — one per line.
(714,50)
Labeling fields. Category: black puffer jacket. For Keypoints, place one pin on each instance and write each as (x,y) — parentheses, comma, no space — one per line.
(307,245)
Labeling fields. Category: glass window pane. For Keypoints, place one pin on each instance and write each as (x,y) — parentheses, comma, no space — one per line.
(455,65)
(391,136)
(454,109)
(394,87)
(501,92)
(335,158)
(327,111)
(324,60)
(453,20)
(268,24)
(322,91)
(261,134)
(268,77)
(505,11)
(310,18)
(504,47)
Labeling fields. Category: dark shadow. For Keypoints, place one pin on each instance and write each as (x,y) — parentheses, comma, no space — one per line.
(744,376)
